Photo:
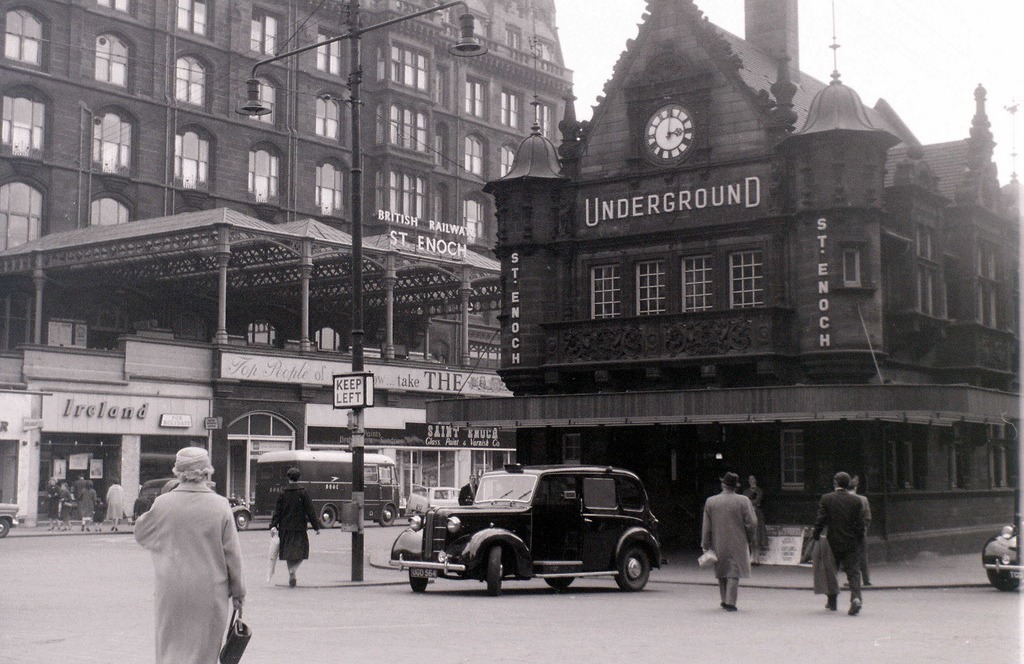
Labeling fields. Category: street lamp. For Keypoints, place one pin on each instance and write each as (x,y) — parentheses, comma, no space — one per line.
(467,46)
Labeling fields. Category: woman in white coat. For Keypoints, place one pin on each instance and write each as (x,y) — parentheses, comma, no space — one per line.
(198,563)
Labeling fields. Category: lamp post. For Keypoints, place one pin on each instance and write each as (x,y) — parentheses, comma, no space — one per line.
(466,46)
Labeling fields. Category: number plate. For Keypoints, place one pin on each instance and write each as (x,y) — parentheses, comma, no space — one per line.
(1014,574)
(421,573)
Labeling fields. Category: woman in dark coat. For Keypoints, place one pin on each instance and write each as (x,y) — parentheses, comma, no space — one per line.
(294,509)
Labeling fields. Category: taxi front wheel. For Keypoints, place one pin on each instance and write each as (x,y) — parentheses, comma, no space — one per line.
(634,569)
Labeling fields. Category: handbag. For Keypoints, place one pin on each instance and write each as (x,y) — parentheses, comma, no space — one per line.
(236,640)
(707,559)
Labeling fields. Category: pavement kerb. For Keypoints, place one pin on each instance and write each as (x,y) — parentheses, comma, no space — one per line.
(921,572)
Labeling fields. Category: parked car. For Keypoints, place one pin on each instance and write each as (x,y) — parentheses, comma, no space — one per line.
(8,518)
(424,497)
(556,523)
(153,488)
(1001,560)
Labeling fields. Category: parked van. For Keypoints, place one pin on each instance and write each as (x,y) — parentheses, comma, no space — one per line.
(327,477)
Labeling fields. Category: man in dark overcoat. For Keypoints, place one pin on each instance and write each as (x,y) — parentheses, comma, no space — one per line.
(842,513)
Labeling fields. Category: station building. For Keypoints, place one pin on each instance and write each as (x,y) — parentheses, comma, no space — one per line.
(734,266)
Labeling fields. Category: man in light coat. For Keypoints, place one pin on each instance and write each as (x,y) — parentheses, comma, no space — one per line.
(729,527)
(197,558)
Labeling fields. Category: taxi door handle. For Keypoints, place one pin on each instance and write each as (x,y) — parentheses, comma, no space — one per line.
(586,520)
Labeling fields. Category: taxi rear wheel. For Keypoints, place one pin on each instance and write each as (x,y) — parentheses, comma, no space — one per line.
(5,527)
(494,571)
(634,569)
(417,583)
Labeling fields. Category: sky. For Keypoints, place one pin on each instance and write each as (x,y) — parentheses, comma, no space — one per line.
(924,57)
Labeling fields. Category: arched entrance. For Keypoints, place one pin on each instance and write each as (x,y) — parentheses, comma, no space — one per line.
(248,437)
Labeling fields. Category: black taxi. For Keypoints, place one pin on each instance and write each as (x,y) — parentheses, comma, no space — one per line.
(556,523)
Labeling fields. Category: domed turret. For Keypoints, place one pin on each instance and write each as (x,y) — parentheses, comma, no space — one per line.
(838,156)
(536,157)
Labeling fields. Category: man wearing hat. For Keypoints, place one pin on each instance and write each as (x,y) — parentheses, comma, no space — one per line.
(197,558)
(729,528)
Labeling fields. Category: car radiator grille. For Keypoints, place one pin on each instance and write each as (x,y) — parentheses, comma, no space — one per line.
(436,534)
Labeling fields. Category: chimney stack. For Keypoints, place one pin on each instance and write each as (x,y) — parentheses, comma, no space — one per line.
(772,26)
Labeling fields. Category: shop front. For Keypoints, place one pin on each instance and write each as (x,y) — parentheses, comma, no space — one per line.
(425,455)
(19,438)
(269,401)
(114,438)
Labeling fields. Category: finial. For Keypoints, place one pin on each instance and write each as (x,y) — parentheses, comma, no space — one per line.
(835,48)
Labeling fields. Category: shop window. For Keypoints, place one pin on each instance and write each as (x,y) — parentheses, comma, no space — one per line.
(792,456)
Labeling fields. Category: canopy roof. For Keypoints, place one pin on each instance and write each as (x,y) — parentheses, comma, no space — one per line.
(179,254)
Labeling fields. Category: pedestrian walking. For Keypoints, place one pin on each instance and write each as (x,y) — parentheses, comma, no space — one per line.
(728,530)
(862,553)
(53,503)
(87,505)
(293,511)
(841,513)
(197,559)
(756,496)
(67,504)
(115,504)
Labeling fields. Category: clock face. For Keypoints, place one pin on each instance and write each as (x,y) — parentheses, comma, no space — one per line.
(669,132)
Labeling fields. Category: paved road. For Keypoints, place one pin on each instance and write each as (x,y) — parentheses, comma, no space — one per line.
(89,599)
